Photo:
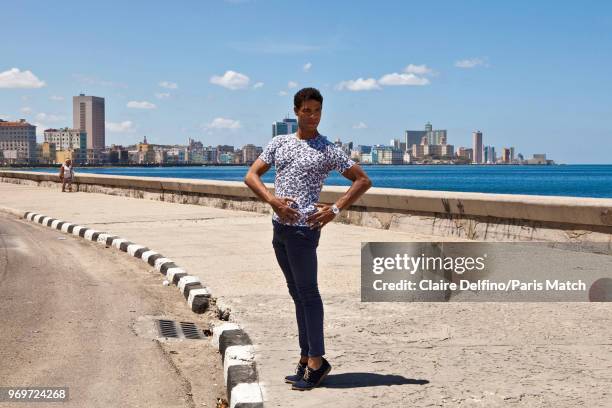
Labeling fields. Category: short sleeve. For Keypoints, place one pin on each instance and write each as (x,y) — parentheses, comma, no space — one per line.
(339,160)
(269,151)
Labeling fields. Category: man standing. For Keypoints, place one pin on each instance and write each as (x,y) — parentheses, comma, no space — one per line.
(303,160)
(66,175)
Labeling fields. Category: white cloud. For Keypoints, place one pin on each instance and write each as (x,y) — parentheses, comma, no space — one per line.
(56,98)
(14,78)
(360,125)
(141,105)
(418,69)
(292,84)
(231,80)
(258,85)
(168,85)
(359,84)
(412,75)
(223,123)
(471,63)
(46,117)
(396,79)
(162,95)
(307,66)
(120,127)
(26,110)
(282,93)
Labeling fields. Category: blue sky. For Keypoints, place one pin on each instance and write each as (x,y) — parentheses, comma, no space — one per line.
(529,74)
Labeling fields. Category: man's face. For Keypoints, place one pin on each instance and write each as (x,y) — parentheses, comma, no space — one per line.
(309,115)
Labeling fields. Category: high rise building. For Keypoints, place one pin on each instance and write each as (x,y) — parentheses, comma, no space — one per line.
(387,155)
(413,137)
(195,145)
(347,148)
(118,155)
(88,116)
(489,154)
(505,155)
(465,153)
(364,149)
(69,139)
(397,144)
(432,150)
(477,146)
(286,127)
(225,148)
(418,151)
(447,150)
(250,153)
(17,141)
(434,136)
(66,138)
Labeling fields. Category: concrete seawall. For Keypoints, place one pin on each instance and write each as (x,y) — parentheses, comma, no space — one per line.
(477,216)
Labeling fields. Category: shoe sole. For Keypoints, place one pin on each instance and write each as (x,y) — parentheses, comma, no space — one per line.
(317,384)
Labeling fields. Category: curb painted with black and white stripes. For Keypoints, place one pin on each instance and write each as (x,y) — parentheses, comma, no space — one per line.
(234,345)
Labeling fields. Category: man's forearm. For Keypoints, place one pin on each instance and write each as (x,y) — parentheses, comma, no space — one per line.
(254,182)
(357,189)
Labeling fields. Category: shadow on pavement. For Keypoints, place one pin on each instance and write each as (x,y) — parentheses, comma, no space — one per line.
(355,380)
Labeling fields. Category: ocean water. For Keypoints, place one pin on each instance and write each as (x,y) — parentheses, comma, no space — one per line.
(560,180)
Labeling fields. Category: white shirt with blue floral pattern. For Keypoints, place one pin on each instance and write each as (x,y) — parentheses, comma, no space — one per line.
(301,168)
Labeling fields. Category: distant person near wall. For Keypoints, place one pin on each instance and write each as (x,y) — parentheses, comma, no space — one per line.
(67,175)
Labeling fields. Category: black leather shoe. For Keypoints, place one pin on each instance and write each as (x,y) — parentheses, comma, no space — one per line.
(312,378)
(299,373)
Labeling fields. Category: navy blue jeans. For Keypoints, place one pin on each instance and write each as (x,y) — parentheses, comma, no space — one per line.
(296,253)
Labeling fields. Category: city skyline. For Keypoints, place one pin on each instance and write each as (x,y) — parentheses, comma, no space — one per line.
(88,110)
(531,77)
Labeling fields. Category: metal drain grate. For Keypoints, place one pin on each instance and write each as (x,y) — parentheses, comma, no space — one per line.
(179,330)
(191,331)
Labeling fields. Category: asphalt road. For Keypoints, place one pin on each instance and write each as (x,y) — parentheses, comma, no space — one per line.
(76,314)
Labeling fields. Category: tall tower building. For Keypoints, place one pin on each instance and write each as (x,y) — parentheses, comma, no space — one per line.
(477,147)
(88,116)
(434,136)
(505,155)
(413,137)
(489,155)
(286,127)
(437,135)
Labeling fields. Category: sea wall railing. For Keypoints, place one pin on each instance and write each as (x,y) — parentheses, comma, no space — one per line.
(476,216)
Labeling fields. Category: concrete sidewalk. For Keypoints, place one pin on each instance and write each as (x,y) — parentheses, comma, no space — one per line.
(386,354)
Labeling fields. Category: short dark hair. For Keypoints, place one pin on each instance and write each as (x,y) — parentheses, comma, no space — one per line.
(307,94)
